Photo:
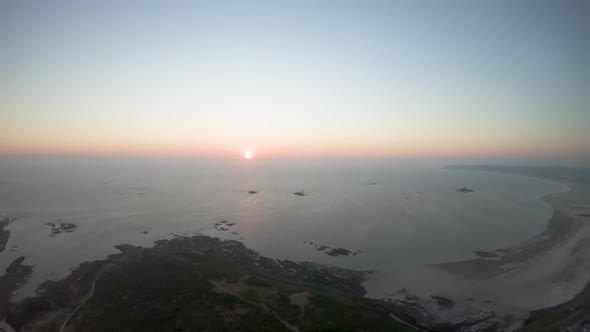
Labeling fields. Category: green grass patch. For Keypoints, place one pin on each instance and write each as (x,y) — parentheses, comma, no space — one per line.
(257,281)
(547,319)
(250,295)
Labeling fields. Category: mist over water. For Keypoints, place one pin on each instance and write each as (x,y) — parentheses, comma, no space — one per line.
(411,216)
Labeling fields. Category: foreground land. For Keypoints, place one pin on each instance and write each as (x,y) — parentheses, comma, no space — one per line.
(201,283)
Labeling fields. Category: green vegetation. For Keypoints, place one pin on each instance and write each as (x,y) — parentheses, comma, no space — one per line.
(250,294)
(202,283)
(257,281)
(534,323)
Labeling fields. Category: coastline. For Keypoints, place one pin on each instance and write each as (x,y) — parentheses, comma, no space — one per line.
(548,270)
(16,274)
(488,283)
(498,288)
(560,227)
(202,282)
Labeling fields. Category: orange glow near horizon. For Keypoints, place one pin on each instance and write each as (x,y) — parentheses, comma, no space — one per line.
(287,149)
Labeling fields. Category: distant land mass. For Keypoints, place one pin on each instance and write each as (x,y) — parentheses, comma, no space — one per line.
(560,174)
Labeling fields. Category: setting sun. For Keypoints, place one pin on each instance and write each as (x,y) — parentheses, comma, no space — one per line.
(248,155)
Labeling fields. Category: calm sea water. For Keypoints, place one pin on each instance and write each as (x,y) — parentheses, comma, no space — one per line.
(410,217)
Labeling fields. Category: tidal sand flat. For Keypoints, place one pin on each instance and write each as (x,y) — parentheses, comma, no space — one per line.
(544,271)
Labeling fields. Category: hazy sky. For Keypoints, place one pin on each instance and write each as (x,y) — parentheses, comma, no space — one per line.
(297,78)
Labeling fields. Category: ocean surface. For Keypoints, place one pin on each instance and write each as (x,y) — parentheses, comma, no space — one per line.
(410,217)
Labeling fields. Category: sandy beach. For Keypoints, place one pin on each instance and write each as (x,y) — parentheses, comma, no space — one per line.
(547,270)
(503,286)
(555,260)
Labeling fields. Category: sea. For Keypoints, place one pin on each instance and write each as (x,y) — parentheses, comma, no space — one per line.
(389,216)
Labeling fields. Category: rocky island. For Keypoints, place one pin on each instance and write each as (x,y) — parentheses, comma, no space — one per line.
(61,227)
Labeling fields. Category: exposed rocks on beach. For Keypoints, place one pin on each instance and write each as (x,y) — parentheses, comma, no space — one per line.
(485,254)
(440,313)
(333,251)
(492,253)
(223,225)
(252,192)
(300,193)
(61,227)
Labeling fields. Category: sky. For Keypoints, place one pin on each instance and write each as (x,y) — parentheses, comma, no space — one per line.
(505,80)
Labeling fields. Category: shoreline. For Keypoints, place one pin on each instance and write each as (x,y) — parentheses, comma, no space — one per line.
(509,269)
(16,274)
(545,271)
(559,228)
(498,289)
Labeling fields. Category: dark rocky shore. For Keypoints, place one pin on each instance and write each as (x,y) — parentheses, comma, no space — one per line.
(4,233)
(15,275)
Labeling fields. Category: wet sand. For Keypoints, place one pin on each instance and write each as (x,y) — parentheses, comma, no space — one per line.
(547,270)
(565,222)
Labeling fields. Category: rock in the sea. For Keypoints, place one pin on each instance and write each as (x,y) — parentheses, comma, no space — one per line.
(465,190)
(339,252)
(299,193)
(61,228)
(333,251)
(223,225)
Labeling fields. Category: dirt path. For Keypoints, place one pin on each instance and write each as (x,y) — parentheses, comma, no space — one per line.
(65,323)
(220,286)
(99,274)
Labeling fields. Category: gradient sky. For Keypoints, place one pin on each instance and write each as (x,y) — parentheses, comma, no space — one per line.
(296,78)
